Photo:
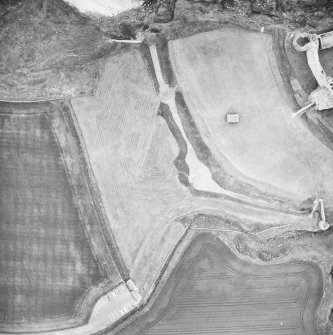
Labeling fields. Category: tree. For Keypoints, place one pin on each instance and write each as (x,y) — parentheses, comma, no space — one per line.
(44,8)
(127,31)
(224,2)
(155,5)
(149,3)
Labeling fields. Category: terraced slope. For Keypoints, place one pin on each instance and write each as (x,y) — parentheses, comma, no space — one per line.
(213,292)
(235,71)
(54,258)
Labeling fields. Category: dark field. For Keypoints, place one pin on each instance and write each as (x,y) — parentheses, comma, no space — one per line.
(213,292)
(48,264)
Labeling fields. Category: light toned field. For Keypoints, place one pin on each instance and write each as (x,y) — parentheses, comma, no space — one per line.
(131,152)
(213,292)
(235,71)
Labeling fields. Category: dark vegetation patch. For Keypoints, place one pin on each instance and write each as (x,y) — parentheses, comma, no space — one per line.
(299,64)
(200,220)
(288,243)
(124,25)
(179,28)
(212,291)
(179,161)
(49,50)
(281,49)
(163,55)
(55,260)
(144,49)
(86,186)
(320,130)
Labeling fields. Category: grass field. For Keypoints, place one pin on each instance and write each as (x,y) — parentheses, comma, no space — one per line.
(235,71)
(131,152)
(48,51)
(212,291)
(54,259)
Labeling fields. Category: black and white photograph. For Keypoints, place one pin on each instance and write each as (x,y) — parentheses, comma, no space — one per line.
(166,167)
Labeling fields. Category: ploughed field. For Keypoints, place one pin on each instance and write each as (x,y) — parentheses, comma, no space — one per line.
(131,151)
(212,291)
(51,273)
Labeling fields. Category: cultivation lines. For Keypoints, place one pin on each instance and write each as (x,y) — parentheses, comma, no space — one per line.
(211,291)
(234,71)
(51,273)
(131,152)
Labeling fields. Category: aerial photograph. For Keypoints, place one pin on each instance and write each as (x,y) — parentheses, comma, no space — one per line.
(166,167)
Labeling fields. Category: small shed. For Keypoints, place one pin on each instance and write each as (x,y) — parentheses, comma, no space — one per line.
(232,118)
(131,286)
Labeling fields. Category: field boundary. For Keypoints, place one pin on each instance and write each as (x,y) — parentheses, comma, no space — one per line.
(108,234)
(151,293)
(143,309)
(62,123)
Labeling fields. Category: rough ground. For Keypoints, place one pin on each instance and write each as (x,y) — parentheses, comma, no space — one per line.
(49,53)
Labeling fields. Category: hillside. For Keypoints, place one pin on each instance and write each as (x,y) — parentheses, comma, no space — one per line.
(48,51)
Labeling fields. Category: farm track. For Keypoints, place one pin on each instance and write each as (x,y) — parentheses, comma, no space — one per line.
(211,291)
(54,272)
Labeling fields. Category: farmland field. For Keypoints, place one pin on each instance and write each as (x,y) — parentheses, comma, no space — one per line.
(131,151)
(54,258)
(235,71)
(212,291)
(133,155)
